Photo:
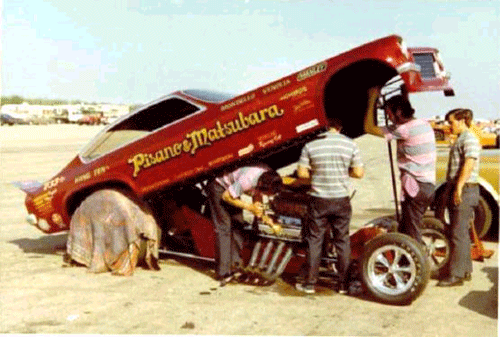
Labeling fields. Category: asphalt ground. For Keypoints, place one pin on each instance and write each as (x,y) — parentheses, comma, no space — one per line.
(38,295)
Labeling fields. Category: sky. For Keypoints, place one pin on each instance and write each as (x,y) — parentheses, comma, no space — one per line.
(135,51)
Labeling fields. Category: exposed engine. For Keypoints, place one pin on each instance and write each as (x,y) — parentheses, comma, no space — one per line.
(272,252)
(289,210)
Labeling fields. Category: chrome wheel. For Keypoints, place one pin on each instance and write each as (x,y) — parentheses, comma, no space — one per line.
(391,270)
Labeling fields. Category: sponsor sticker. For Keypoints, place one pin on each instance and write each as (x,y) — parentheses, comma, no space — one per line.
(246,150)
(306,126)
(311,71)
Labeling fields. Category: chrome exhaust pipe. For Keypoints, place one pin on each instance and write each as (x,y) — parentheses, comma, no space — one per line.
(275,257)
(284,261)
(264,257)
(255,254)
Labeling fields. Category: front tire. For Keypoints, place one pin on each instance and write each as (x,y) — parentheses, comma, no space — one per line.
(394,268)
(108,231)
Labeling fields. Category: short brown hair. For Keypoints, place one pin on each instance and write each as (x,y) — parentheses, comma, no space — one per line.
(335,123)
(269,182)
(400,102)
(461,114)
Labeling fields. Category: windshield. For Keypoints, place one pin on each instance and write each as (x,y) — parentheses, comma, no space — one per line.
(139,125)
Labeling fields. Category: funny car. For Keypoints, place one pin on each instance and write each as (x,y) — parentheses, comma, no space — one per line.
(158,158)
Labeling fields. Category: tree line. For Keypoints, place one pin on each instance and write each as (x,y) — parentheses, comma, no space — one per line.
(16,99)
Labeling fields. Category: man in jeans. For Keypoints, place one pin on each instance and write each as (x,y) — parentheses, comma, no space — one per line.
(463,191)
(328,162)
(226,205)
(416,156)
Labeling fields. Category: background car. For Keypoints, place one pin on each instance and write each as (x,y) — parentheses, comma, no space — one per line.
(12,119)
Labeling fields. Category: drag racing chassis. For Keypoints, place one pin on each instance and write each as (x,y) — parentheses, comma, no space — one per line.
(391,267)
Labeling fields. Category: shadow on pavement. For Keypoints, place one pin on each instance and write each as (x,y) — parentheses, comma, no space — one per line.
(484,302)
(50,244)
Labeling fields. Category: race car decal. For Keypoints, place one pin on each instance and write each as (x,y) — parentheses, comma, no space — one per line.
(276,86)
(222,159)
(94,173)
(53,183)
(269,139)
(304,105)
(246,150)
(238,101)
(295,93)
(203,137)
(306,126)
(311,71)
(43,202)
(82,177)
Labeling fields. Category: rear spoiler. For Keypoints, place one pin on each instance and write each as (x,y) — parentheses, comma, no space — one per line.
(28,186)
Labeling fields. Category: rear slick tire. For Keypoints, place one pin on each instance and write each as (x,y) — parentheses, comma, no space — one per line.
(395,269)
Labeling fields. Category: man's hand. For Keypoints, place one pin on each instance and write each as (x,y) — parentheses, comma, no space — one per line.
(457,196)
(257,208)
(275,227)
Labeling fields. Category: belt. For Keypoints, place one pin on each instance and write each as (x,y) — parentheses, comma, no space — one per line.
(471,184)
(453,183)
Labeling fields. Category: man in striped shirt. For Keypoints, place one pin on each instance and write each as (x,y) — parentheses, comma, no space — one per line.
(226,205)
(462,184)
(416,157)
(328,162)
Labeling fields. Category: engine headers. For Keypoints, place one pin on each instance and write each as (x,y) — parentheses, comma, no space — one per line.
(268,261)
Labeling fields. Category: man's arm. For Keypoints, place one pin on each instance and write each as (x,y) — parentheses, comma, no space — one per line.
(255,207)
(237,202)
(369,123)
(304,176)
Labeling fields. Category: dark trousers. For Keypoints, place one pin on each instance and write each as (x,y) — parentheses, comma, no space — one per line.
(413,209)
(460,221)
(335,213)
(229,239)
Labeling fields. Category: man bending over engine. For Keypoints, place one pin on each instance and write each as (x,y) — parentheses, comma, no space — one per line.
(224,195)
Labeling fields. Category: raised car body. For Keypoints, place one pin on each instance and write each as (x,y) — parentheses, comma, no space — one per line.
(188,135)
(157,160)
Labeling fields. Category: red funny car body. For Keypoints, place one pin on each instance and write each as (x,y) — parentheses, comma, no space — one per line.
(189,135)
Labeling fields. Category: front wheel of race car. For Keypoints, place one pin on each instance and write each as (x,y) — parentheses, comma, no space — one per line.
(394,268)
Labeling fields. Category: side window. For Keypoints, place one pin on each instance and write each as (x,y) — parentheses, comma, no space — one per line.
(158,115)
(138,126)
(426,63)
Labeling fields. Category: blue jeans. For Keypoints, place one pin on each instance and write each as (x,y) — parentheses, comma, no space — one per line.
(328,213)
(229,239)
(458,232)
(413,209)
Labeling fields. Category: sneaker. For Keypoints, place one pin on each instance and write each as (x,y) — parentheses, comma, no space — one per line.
(305,288)
(226,279)
(342,288)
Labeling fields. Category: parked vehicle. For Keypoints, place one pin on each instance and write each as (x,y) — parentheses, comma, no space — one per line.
(487,139)
(90,119)
(12,119)
(163,153)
